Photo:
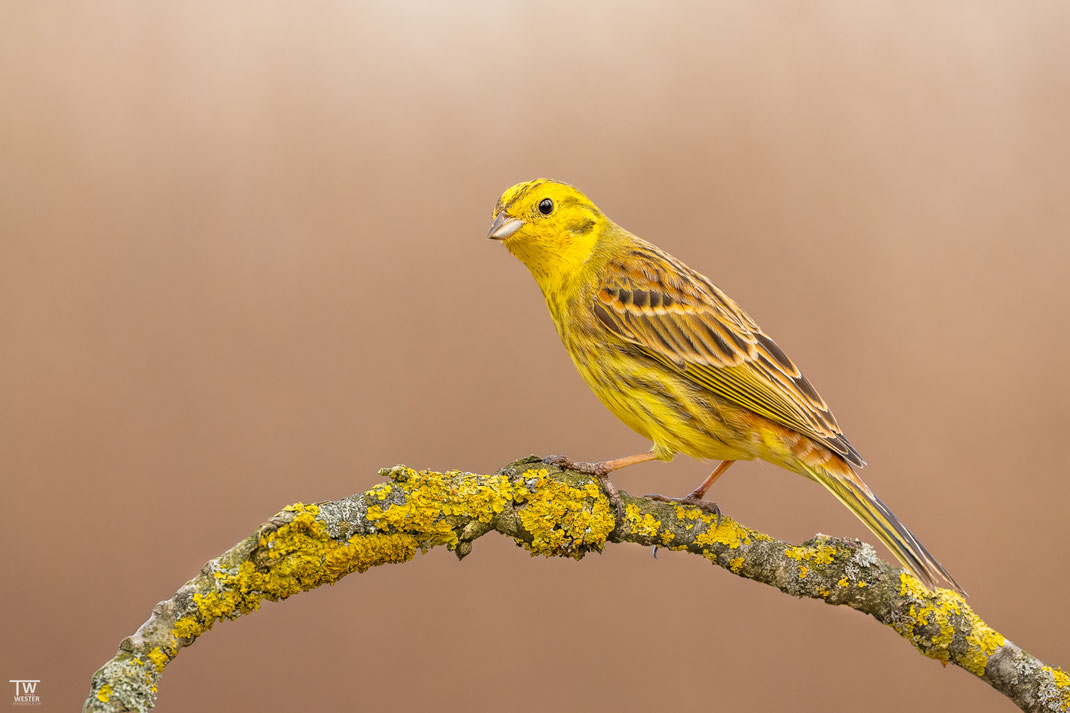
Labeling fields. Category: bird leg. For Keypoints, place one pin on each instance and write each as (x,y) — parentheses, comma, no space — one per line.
(602,471)
(598,469)
(695,496)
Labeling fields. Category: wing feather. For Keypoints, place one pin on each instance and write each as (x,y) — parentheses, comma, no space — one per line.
(678,316)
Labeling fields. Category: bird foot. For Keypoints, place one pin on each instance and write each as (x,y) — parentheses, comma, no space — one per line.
(579,466)
(598,470)
(712,508)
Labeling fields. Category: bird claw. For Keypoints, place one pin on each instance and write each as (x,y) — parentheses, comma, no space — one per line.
(712,508)
(613,495)
(598,470)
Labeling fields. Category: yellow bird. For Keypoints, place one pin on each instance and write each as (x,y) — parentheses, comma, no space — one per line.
(674,358)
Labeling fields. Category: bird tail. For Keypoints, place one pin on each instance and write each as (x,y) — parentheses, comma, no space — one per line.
(849,489)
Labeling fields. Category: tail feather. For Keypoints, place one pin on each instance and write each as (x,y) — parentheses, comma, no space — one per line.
(856,495)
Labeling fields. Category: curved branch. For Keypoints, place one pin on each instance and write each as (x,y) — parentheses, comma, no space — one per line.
(551,512)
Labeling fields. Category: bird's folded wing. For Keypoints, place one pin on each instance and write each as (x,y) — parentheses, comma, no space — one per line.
(681,318)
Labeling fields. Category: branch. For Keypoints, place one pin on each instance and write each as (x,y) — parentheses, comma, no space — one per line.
(561,514)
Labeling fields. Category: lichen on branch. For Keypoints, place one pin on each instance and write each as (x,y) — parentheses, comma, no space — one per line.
(551,513)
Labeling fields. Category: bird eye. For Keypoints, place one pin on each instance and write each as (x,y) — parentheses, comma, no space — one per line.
(546,206)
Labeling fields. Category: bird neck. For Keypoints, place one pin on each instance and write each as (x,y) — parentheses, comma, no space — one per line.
(561,262)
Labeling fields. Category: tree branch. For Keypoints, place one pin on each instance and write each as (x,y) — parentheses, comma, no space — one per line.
(552,513)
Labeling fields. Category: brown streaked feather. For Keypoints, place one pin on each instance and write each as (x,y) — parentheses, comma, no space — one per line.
(673,313)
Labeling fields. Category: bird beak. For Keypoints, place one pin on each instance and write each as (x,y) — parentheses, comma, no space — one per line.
(504,226)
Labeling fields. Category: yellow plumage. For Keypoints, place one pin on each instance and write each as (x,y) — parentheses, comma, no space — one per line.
(677,360)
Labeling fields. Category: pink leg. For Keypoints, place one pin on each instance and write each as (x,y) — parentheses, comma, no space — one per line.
(695,496)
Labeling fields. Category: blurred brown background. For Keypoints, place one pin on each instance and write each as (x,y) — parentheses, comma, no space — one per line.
(243,263)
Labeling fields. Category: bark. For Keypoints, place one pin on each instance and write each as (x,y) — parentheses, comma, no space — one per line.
(557,513)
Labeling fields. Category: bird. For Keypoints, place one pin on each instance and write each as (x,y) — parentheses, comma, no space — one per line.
(679,362)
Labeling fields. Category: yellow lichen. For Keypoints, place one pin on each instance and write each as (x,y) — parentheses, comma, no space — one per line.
(823,592)
(818,554)
(1061,680)
(725,532)
(1059,677)
(947,635)
(646,525)
(159,659)
(430,498)
(861,584)
(362,552)
(300,555)
(381,491)
(930,626)
(187,628)
(842,582)
(803,570)
(736,564)
(563,520)
(983,641)
(911,586)
(104,693)
(937,639)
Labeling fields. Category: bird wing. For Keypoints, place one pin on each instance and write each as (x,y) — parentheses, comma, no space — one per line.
(679,317)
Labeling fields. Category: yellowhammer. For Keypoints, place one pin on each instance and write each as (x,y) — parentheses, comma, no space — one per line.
(679,362)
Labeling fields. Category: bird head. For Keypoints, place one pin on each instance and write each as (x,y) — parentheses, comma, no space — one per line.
(550,227)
